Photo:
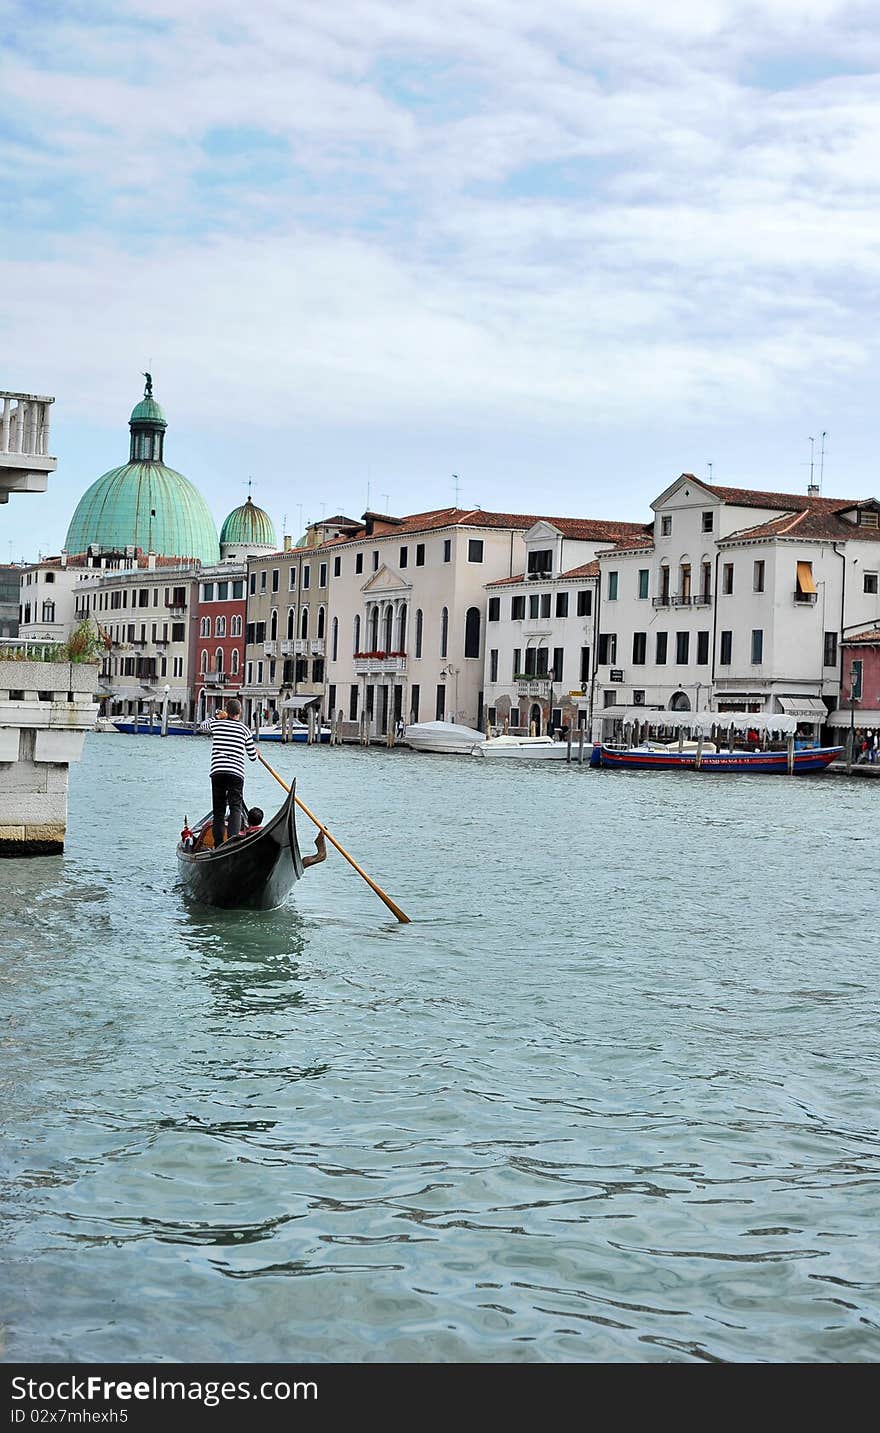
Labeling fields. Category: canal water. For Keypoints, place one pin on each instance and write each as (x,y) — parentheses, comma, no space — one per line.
(611,1096)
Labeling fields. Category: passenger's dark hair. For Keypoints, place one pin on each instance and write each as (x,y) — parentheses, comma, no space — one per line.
(233,707)
(255,816)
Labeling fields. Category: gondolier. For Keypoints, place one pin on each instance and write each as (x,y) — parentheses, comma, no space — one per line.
(231,742)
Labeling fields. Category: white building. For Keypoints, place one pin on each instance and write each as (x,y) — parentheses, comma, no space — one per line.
(540,630)
(47,605)
(739,603)
(25,463)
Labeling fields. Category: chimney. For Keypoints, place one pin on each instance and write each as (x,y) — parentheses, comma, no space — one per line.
(288,542)
(63,559)
(813,490)
(151,562)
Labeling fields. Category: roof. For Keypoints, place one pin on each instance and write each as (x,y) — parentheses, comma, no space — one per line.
(249,525)
(816,524)
(589,569)
(145,505)
(586,529)
(757,498)
(869,638)
(148,411)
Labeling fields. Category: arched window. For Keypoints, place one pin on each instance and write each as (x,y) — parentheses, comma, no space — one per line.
(273,624)
(218,660)
(334,640)
(401,628)
(291,618)
(444,632)
(235,626)
(321,617)
(419,625)
(206,627)
(388,636)
(304,623)
(204,659)
(233,664)
(374,628)
(472,632)
(220,627)
(357,633)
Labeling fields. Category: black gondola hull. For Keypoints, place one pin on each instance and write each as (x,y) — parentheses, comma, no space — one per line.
(249,872)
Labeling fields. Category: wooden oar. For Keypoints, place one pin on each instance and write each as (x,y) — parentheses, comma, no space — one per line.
(401,916)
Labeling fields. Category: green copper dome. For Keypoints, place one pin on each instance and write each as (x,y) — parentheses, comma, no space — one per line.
(144,503)
(249,526)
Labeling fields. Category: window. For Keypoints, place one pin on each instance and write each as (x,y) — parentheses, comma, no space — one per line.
(514,716)
(259,673)
(830,657)
(376,560)
(757,646)
(664,585)
(220,627)
(607,649)
(419,626)
(666,525)
(640,648)
(609,698)
(238,590)
(727,579)
(758,577)
(404,557)
(253,583)
(420,554)
(306,578)
(273,624)
(706,581)
(472,632)
(682,646)
(50,577)
(534,605)
(357,634)
(562,604)
(541,561)
(263,580)
(558,658)
(444,632)
(870,583)
(493,665)
(662,649)
(584,602)
(334,641)
(702,649)
(233,665)
(440,708)
(545,604)
(250,673)
(48,611)
(585,667)
(303,624)
(322,574)
(337,566)
(321,621)
(205,627)
(291,579)
(517,608)
(684,583)
(414,694)
(235,627)
(805,589)
(331,698)
(259,633)
(178,631)
(359,562)
(644,580)
(612,586)
(494,614)
(475,549)
(274,579)
(517,654)
(218,660)
(291,618)
(708,521)
(353,702)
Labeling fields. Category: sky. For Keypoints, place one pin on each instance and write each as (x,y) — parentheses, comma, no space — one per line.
(564,252)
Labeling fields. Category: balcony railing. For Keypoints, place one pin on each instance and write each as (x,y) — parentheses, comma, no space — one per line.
(288,648)
(527,686)
(701,599)
(662,601)
(270,648)
(805,599)
(316,646)
(176,609)
(215,678)
(387,663)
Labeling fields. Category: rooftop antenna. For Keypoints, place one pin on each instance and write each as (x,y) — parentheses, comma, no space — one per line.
(822,459)
(368,495)
(457,487)
(709,466)
(812,490)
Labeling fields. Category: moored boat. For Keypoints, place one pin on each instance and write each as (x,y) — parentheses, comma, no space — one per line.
(523,748)
(700,745)
(444,737)
(782,763)
(145,728)
(254,872)
(298,731)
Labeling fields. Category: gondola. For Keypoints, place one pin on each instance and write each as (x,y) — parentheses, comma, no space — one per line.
(254,872)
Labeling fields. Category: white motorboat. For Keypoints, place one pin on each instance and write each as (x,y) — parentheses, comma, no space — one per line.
(444,737)
(524,748)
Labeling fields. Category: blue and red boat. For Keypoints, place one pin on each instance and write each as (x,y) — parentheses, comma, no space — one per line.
(769,763)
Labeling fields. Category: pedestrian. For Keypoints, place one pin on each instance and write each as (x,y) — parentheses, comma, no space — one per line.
(231,742)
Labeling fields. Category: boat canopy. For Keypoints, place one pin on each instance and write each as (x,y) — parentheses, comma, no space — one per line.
(702,723)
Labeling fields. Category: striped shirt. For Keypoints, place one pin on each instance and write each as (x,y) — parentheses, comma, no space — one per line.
(231,739)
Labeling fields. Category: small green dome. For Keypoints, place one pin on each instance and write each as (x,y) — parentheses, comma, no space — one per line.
(117,512)
(249,526)
(148,411)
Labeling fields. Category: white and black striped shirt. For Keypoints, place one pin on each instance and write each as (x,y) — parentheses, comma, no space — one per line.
(231,739)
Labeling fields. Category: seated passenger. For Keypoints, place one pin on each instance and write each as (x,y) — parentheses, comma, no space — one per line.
(254,821)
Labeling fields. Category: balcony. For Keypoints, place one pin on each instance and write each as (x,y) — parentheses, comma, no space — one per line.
(805,599)
(316,647)
(215,677)
(379,663)
(288,649)
(270,648)
(681,599)
(527,686)
(663,600)
(537,626)
(176,609)
(701,599)
(25,463)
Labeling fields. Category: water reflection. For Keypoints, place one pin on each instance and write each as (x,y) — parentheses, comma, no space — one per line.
(251,960)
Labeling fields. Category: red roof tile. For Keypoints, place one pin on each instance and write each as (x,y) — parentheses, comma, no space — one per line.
(823,525)
(584,529)
(870,637)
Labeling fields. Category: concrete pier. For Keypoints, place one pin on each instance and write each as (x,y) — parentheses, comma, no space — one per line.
(45,710)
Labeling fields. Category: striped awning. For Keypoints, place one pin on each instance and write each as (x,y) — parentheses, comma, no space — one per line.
(860,717)
(810,709)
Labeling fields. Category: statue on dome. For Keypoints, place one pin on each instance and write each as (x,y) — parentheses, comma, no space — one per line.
(148,386)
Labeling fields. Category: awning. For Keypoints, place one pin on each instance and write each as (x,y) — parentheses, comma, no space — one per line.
(296,704)
(804,708)
(860,717)
(805,581)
